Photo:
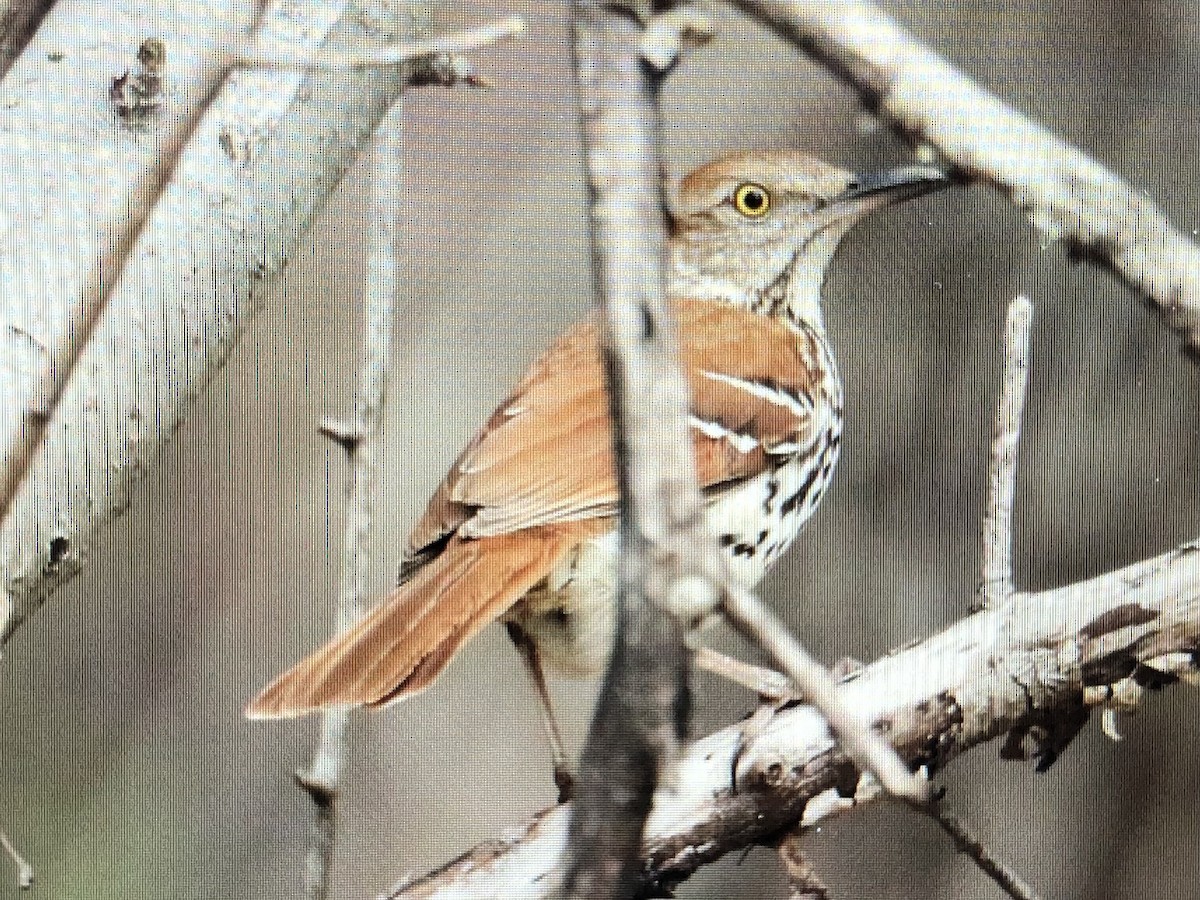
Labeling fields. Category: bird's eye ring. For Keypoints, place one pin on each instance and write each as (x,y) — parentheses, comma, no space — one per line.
(752,200)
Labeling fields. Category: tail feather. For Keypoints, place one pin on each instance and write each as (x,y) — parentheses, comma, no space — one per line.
(430,666)
(402,645)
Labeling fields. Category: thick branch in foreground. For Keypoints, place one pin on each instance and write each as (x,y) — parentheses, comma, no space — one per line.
(19,19)
(1030,668)
(226,209)
(1064,192)
(642,712)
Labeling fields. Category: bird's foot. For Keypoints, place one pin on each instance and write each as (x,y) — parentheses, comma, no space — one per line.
(770,685)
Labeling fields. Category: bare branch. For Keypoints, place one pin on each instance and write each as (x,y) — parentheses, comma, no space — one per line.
(967,843)
(24,870)
(222,196)
(803,881)
(115,243)
(869,751)
(19,19)
(996,584)
(643,709)
(323,775)
(253,54)
(1030,668)
(1066,194)
(766,683)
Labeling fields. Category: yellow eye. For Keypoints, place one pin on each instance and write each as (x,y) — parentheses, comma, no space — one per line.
(752,200)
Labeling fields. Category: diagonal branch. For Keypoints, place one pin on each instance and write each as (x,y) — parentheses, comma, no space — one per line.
(19,19)
(219,193)
(967,843)
(1065,193)
(1031,668)
(803,881)
(24,870)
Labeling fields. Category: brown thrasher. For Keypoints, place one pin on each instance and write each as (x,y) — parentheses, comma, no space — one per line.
(523,528)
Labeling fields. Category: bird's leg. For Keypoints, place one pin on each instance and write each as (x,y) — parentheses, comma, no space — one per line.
(772,686)
(775,691)
(563,776)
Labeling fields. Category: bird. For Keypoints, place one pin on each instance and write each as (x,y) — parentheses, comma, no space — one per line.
(523,529)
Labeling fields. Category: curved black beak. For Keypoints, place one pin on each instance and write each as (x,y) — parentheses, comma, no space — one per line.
(875,189)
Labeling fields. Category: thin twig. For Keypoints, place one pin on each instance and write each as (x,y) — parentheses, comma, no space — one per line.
(252,54)
(996,584)
(24,870)
(803,881)
(966,842)
(1066,194)
(321,779)
(868,750)
(767,683)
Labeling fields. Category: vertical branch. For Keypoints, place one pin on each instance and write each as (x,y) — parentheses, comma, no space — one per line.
(996,584)
(643,708)
(358,438)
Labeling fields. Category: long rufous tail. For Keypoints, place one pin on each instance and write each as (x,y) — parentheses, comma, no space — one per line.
(400,647)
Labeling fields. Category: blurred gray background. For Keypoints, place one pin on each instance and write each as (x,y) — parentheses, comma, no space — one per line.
(126,769)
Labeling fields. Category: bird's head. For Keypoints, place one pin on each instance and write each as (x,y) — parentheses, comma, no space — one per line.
(759,228)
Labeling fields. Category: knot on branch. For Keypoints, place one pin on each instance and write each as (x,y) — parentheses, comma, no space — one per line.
(670,34)
(322,791)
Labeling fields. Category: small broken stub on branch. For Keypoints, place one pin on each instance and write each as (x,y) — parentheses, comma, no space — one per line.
(137,96)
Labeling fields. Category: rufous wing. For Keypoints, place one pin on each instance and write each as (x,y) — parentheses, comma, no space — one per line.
(546,454)
(537,480)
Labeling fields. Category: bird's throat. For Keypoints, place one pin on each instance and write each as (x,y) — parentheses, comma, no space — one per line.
(784,282)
